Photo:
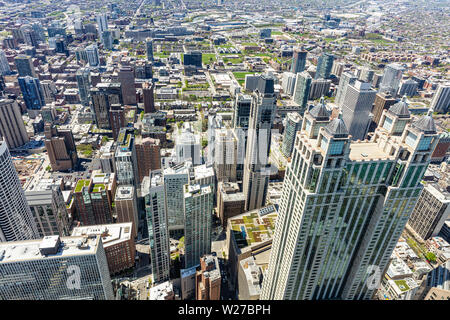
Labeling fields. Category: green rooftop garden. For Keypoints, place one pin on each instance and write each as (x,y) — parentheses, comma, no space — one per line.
(99,187)
(250,229)
(402,285)
(82,183)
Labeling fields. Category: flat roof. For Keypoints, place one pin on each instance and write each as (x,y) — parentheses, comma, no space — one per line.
(111,233)
(367,151)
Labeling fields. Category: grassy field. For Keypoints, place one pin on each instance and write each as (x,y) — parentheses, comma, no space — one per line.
(241,75)
(208,58)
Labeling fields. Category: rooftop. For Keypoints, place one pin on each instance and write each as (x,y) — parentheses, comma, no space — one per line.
(111,233)
(82,183)
(367,151)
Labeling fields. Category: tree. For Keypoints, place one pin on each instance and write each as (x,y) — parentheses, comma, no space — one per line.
(430,256)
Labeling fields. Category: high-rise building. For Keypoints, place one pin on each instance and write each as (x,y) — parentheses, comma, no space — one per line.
(116,119)
(366,75)
(103,96)
(48,207)
(4,64)
(149,49)
(125,158)
(344,206)
(391,78)
(441,99)
(102,23)
(92,55)
(298,60)
(256,165)
(148,92)
(319,88)
(107,39)
(49,91)
(302,89)
(54,268)
(16,219)
(148,156)
(158,230)
(12,128)
(431,211)
(407,88)
(188,145)
(293,124)
(126,79)
(32,94)
(225,158)
(25,66)
(84,84)
(61,148)
(193,58)
(324,65)
(198,210)
(241,113)
(126,207)
(356,108)
(383,101)
(208,278)
(288,82)
(117,241)
(230,201)
(345,80)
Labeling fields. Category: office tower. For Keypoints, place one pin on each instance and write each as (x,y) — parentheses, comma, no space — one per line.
(117,241)
(319,88)
(431,211)
(81,56)
(38,31)
(230,201)
(126,207)
(344,206)
(4,64)
(148,92)
(345,80)
(302,89)
(288,82)
(408,88)
(158,230)
(251,82)
(61,46)
(356,108)
(391,78)
(24,66)
(32,94)
(93,199)
(103,96)
(48,207)
(441,98)
(148,154)
(102,23)
(107,39)
(198,210)
(16,220)
(174,180)
(298,60)
(29,36)
(116,119)
(366,75)
(83,83)
(256,166)
(49,91)
(149,48)
(324,65)
(12,128)
(293,124)
(48,269)
(241,113)
(126,79)
(92,55)
(125,157)
(208,278)
(193,58)
(383,101)
(265,33)
(188,145)
(55,29)
(338,68)
(376,80)
(61,148)
(225,158)
(143,70)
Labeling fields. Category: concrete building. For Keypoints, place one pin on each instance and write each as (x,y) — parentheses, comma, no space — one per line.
(103,96)
(198,208)
(148,155)
(188,145)
(441,98)
(298,60)
(163,291)
(118,243)
(12,128)
(230,201)
(84,84)
(62,264)
(302,89)
(148,91)
(32,95)
(324,65)
(188,285)
(126,207)
(125,158)
(225,157)
(149,49)
(25,66)
(16,219)
(4,64)
(61,148)
(319,88)
(407,88)
(391,78)
(288,82)
(208,279)
(126,79)
(345,80)
(92,56)
(293,124)
(250,276)
(381,182)
(383,101)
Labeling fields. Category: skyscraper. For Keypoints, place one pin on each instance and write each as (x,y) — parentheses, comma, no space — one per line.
(103,96)
(107,39)
(32,94)
(16,220)
(383,101)
(4,64)
(293,124)
(92,55)
(148,156)
(12,128)
(324,65)
(25,66)
(356,108)
(61,148)
(158,231)
(193,58)
(83,82)
(148,92)
(256,165)
(225,158)
(302,88)
(126,79)
(149,49)
(298,60)
(198,210)
(345,80)
(391,78)
(344,206)
(441,99)
(126,206)
(102,23)
(125,158)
